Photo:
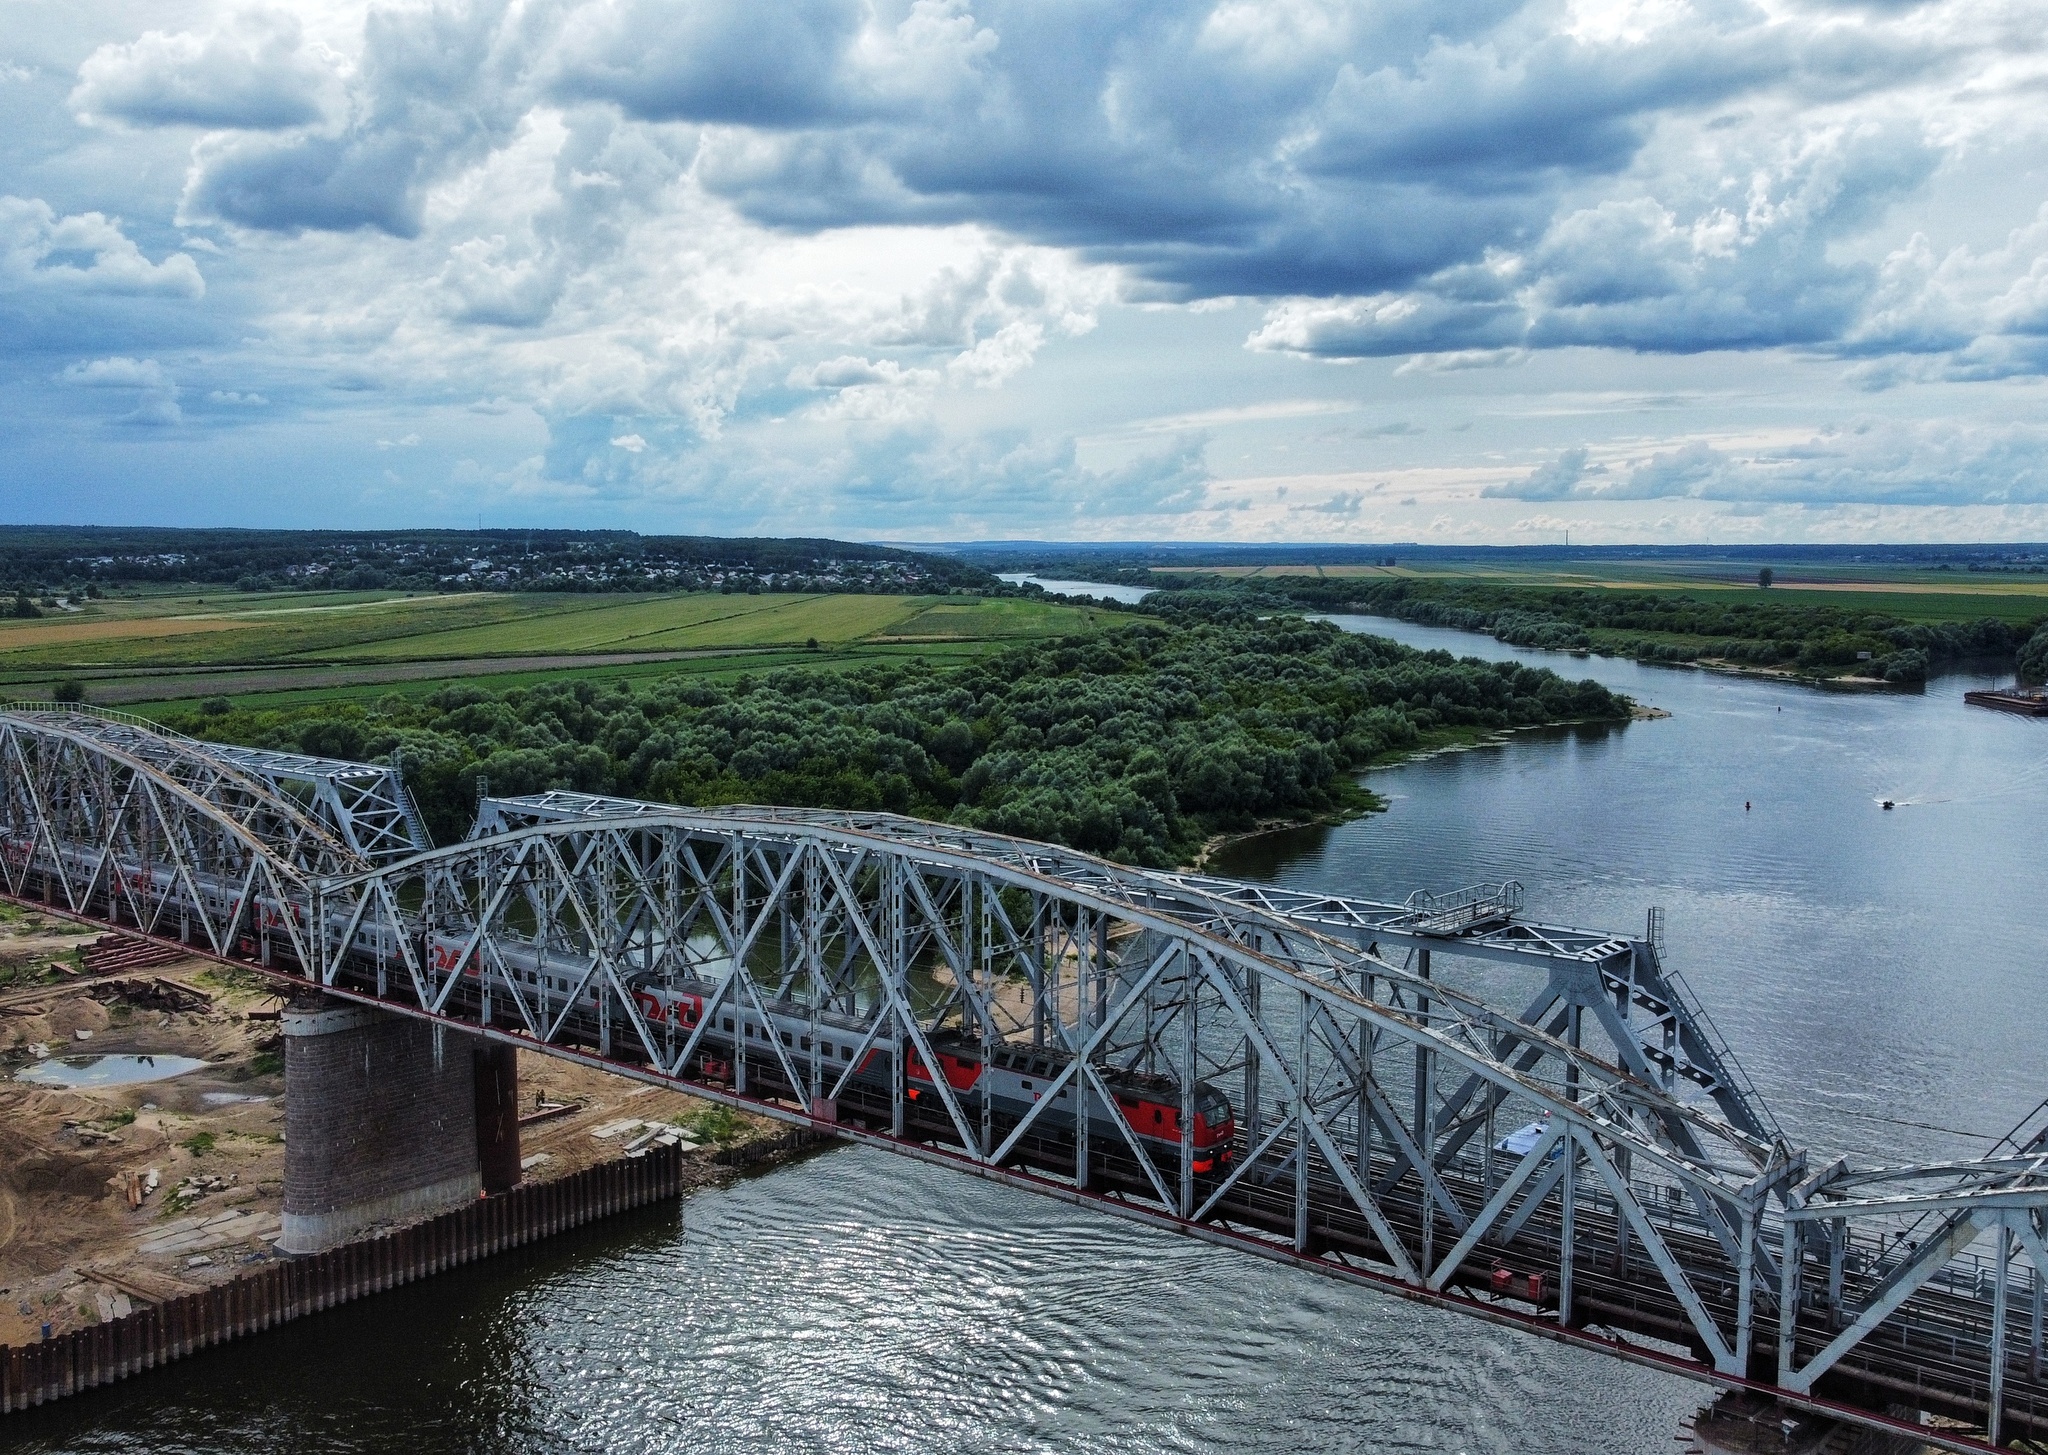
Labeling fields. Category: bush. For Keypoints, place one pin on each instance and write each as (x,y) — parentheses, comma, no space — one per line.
(2033,659)
(1909,666)
(69,690)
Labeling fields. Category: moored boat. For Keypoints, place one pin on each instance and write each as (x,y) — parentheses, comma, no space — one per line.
(2032,701)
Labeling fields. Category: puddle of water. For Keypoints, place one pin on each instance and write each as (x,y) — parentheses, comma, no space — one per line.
(107,1070)
(227,1098)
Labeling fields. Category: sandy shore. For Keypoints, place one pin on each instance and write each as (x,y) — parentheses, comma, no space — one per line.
(75,1245)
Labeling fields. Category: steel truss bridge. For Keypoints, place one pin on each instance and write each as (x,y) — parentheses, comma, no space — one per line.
(1592,1167)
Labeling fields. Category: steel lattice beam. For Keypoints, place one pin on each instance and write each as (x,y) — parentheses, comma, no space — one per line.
(1596,1160)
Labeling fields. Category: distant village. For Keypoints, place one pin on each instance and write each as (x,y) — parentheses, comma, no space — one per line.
(78,563)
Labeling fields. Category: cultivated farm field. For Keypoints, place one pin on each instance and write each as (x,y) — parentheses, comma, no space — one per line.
(1912,594)
(167,646)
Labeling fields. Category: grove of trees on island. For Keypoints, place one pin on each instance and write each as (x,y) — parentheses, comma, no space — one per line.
(1138,743)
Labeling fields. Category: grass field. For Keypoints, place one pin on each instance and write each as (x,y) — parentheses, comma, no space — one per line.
(1914,595)
(169,645)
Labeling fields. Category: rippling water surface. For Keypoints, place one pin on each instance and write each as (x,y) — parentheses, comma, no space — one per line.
(1879,973)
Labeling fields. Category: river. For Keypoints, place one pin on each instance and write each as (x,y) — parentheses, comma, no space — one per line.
(1879,974)
(1100,590)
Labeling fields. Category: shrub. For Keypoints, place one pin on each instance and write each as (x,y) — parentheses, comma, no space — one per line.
(2033,658)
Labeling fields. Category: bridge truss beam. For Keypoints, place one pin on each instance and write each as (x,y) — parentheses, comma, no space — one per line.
(865,972)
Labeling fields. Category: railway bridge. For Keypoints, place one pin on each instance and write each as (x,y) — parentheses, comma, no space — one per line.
(1528,1124)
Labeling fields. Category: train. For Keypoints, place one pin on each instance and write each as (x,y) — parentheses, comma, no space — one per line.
(1018,1077)
(846,1055)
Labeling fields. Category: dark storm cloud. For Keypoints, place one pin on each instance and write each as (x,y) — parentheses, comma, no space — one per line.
(1210,150)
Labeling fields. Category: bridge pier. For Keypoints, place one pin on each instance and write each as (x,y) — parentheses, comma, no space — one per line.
(388,1119)
(1742,1423)
(497,1116)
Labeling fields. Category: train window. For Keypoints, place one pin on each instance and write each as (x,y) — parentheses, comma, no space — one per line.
(1158,1116)
(803,1043)
(785,1038)
(846,1053)
(727,1023)
(1027,1086)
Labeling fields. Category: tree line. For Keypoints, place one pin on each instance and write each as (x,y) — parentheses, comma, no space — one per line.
(1137,744)
(1817,639)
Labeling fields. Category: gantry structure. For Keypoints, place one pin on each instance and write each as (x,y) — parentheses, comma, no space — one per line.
(1591,1166)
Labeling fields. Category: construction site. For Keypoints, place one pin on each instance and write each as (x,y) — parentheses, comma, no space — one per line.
(142,1124)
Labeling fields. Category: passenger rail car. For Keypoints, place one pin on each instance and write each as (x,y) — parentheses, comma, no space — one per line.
(834,1053)
(846,1061)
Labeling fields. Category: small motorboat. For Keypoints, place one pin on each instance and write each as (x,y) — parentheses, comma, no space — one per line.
(1889,805)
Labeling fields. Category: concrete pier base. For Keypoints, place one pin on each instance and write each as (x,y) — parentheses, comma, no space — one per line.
(497,1116)
(380,1122)
(1740,1423)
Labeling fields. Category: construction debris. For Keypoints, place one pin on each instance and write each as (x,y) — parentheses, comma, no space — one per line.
(152,992)
(113,952)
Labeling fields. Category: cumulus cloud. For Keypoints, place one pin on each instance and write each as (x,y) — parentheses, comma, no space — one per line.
(696,226)
(436,88)
(1559,479)
(84,253)
(144,385)
(1343,503)
(892,478)
(1634,272)
(1967,315)
(256,72)
(1456,190)
(1869,462)
(850,371)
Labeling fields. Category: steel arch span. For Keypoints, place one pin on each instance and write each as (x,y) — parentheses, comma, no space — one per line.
(1293,1075)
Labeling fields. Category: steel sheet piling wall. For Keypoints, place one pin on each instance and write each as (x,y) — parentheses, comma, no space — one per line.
(33,1374)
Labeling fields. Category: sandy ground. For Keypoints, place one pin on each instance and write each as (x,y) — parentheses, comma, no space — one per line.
(72,1248)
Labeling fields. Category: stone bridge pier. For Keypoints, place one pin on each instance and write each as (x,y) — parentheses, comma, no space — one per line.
(388,1119)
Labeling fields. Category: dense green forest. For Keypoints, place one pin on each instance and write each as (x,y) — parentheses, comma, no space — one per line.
(1821,640)
(1137,743)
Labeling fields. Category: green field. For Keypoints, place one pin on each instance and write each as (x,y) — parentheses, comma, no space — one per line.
(1912,594)
(295,648)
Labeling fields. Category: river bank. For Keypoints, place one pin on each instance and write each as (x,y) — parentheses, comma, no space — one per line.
(274,1293)
(139,1187)
(1438,745)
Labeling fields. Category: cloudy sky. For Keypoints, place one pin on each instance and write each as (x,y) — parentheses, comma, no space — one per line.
(1669,270)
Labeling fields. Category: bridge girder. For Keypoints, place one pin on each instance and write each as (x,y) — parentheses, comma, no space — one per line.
(1371,1099)
(921,940)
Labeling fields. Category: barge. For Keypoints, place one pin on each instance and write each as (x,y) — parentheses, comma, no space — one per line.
(2033,701)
